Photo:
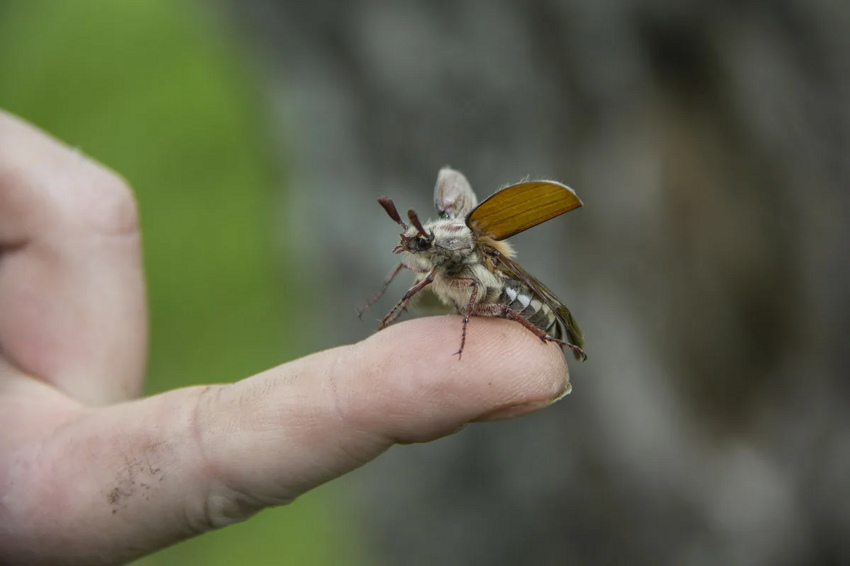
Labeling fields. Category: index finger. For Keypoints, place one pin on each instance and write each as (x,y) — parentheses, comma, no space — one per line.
(121,481)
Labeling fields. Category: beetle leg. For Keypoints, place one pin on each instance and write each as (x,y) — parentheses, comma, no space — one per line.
(405,300)
(514,315)
(381,291)
(469,308)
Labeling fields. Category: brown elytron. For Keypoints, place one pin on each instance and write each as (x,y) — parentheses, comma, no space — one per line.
(520,207)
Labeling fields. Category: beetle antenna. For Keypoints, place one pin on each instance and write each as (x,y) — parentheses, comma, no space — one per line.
(388,205)
(415,221)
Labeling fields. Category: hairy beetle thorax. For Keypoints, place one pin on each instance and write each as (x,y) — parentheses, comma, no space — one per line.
(453,240)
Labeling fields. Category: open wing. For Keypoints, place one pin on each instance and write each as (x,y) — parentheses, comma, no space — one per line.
(453,196)
(567,327)
(520,207)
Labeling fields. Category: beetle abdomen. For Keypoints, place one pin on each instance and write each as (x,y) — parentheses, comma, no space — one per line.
(520,299)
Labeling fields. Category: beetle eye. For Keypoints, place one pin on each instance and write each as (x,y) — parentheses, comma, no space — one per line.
(419,243)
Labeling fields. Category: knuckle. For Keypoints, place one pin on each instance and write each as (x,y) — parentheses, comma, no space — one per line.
(107,204)
(223,498)
(67,192)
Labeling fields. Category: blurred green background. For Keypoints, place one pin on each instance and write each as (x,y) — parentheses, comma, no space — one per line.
(159,91)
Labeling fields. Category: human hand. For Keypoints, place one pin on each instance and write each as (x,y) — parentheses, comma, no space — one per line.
(88,475)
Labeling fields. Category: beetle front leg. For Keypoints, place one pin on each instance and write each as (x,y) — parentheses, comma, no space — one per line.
(381,291)
(405,300)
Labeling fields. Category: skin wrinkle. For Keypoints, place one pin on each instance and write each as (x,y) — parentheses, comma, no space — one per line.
(206,466)
(344,369)
(218,493)
(7,360)
(217,490)
(362,378)
(371,442)
(340,364)
(34,464)
(10,245)
(322,424)
(349,366)
(404,387)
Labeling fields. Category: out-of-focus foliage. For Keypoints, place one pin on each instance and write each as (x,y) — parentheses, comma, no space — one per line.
(158,91)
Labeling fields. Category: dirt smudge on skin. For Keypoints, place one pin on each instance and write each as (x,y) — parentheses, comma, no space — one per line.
(139,473)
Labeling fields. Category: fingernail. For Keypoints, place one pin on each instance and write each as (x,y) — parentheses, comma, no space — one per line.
(513,411)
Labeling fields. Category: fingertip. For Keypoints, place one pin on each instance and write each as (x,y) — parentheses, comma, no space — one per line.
(496,347)
(410,369)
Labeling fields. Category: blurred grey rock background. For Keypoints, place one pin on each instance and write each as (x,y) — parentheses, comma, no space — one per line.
(709,267)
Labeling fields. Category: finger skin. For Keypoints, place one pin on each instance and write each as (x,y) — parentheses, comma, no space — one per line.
(72,293)
(115,483)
